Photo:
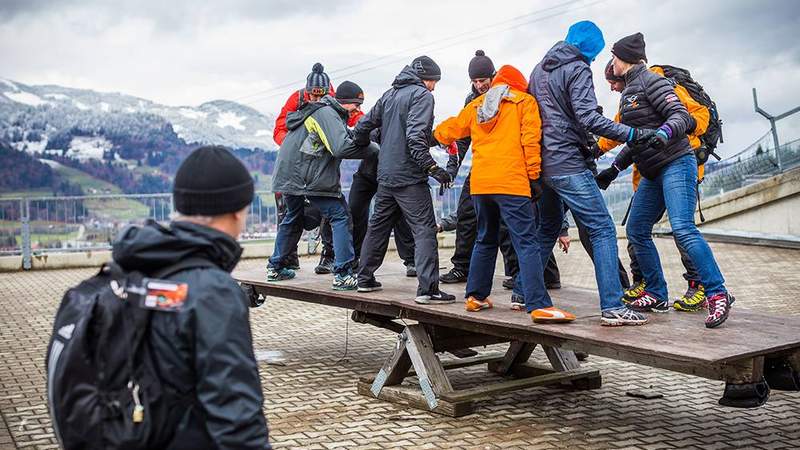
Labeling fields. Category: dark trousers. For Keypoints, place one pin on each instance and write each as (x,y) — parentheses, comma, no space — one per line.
(392,204)
(691,271)
(361,193)
(583,235)
(325,232)
(551,273)
(467,230)
(518,213)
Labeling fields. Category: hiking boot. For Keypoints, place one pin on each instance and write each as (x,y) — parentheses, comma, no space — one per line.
(622,316)
(517,302)
(411,271)
(369,286)
(509,283)
(693,300)
(719,306)
(344,281)
(437,298)
(454,276)
(474,305)
(325,265)
(634,292)
(551,315)
(274,274)
(649,303)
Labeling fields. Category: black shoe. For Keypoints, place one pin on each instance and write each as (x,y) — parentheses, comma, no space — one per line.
(293,262)
(438,298)
(325,265)
(454,276)
(411,271)
(509,283)
(369,286)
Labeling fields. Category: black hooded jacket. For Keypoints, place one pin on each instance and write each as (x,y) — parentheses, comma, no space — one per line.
(206,349)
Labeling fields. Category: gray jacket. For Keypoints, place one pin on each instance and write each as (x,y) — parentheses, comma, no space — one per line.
(309,158)
(563,87)
(404,114)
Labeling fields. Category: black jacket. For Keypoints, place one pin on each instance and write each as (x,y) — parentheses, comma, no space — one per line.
(206,349)
(648,101)
(404,114)
(454,161)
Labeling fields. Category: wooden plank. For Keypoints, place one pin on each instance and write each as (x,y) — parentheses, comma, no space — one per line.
(411,396)
(395,367)
(432,378)
(518,353)
(487,390)
(562,360)
(526,370)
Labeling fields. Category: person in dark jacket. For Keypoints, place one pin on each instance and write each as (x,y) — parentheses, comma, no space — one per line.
(308,168)
(205,349)
(562,85)
(404,115)
(669,180)
(481,72)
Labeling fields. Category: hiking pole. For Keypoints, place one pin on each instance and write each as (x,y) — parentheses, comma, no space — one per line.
(627,212)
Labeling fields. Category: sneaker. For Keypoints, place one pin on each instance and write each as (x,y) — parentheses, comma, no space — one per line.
(474,305)
(509,283)
(411,271)
(325,265)
(551,315)
(693,300)
(454,276)
(649,303)
(369,286)
(719,306)
(622,316)
(517,302)
(345,282)
(634,292)
(438,298)
(274,274)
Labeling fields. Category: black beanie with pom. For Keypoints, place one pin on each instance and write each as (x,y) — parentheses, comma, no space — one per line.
(481,66)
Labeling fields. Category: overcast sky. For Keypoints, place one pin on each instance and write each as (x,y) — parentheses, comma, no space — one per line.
(186,52)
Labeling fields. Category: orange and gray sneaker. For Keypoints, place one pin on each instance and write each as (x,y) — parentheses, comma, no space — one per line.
(551,315)
(474,305)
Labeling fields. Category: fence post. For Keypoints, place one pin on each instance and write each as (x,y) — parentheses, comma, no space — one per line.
(26,233)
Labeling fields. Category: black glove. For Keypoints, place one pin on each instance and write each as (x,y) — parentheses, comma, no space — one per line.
(659,140)
(536,189)
(605,177)
(640,138)
(440,175)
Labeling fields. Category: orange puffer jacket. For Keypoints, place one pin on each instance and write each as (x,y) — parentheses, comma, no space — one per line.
(506,131)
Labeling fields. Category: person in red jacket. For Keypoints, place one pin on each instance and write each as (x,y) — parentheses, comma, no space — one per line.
(318,84)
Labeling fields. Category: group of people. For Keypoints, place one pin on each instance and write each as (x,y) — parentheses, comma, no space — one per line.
(533,143)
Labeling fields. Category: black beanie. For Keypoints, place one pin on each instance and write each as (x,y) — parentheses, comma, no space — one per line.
(426,68)
(610,73)
(480,66)
(630,48)
(349,92)
(211,181)
(318,78)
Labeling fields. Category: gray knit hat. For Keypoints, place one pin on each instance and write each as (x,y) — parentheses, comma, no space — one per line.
(318,78)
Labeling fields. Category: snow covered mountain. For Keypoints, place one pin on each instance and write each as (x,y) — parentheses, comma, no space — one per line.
(33,118)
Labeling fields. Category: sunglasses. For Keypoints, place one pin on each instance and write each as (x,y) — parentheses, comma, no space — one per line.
(318,91)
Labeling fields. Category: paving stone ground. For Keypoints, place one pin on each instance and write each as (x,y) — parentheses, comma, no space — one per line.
(311,401)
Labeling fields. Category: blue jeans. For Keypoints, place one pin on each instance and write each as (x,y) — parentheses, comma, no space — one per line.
(582,196)
(333,208)
(517,213)
(675,189)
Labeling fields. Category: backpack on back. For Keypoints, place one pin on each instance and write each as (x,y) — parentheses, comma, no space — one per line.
(713,135)
(103,385)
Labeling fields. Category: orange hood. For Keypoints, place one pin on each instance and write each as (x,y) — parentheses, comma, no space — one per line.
(510,76)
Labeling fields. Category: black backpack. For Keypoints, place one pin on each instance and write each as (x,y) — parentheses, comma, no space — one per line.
(102,384)
(713,135)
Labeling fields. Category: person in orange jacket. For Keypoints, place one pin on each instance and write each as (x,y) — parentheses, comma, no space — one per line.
(505,128)
(694,297)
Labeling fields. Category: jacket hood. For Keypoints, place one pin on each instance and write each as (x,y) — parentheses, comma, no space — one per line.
(512,77)
(152,247)
(407,77)
(588,38)
(560,54)
(296,118)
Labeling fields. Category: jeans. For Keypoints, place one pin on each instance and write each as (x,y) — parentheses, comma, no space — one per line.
(325,233)
(582,196)
(392,204)
(583,235)
(675,189)
(332,208)
(517,212)
(691,271)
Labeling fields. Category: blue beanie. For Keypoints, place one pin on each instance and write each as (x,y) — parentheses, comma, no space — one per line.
(587,37)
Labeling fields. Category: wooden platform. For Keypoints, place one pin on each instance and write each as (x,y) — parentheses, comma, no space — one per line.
(735,352)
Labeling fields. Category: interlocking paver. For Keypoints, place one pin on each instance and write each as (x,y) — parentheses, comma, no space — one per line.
(311,401)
